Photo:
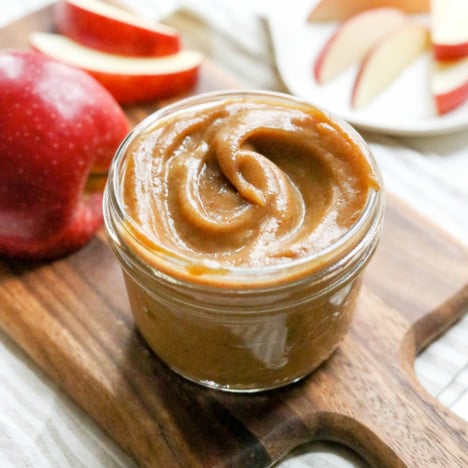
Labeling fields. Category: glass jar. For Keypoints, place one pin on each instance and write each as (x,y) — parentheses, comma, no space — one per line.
(240,329)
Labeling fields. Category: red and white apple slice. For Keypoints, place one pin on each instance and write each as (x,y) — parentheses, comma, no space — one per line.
(353,38)
(449,29)
(129,79)
(111,29)
(449,84)
(387,60)
(337,10)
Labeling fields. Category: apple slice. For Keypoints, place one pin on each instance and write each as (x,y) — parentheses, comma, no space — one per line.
(353,38)
(449,84)
(128,79)
(449,28)
(387,60)
(111,29)
(337,10)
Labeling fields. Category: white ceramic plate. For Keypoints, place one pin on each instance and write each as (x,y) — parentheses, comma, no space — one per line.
(405,108)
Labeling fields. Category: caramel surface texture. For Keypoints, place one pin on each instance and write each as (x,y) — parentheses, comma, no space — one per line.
(246,183)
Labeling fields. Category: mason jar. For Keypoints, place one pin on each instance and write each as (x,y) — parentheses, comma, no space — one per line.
(239,328)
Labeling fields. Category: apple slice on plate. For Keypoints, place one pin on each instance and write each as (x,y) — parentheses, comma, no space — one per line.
(337,10)
(353,38)
(449,28)
(387,60)
(111,29)
(449,84)
(129,79)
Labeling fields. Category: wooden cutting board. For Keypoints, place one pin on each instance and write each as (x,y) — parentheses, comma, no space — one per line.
(72,317)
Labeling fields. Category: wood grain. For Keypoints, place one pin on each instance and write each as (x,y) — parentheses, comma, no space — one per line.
(72,317)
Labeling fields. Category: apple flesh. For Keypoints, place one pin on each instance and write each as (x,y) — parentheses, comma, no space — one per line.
(449,29)
(338,10)
(129,79)
(387,60)
(353,38)
(449,84)
(102,26)
(57,124)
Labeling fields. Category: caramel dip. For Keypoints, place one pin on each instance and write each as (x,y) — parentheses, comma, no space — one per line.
(242,222)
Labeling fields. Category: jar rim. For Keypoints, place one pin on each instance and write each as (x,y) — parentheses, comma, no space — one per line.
(196,271)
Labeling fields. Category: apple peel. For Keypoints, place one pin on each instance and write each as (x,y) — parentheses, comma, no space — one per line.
(105,27)
(353,38)
(387,59)
(449,29)
(129,79)
(449,84)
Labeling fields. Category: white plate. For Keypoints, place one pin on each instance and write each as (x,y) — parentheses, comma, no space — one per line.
(405,108)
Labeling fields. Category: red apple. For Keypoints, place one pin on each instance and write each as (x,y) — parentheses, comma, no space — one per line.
(449,84)
(449,29)
(387,60)
(57,124)
(353,38)
(111,29)
(129,79)
(337,10)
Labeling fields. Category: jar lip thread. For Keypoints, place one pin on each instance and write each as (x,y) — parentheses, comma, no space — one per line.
(127,228)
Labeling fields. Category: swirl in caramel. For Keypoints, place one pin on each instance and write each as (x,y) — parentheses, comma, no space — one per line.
(246,184)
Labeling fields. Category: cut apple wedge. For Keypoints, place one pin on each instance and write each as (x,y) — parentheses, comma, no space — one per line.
(338,10)
(111,29)
(387,60)
(129,79)
(353,38)
(449,28)
(449,84)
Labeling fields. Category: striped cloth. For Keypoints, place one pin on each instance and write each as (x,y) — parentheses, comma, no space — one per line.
(40,427)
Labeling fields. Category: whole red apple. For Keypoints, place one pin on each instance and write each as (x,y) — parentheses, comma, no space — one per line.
(57,125)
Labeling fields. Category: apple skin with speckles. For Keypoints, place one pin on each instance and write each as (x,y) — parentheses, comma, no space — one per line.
(58,125)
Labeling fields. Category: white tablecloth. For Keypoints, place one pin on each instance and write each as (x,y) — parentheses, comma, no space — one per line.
(40,427)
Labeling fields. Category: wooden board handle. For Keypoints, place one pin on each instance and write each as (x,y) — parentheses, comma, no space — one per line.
(401,425)
(431,325)
(366,397)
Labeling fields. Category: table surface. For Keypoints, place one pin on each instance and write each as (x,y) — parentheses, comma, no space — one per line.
(41,427)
